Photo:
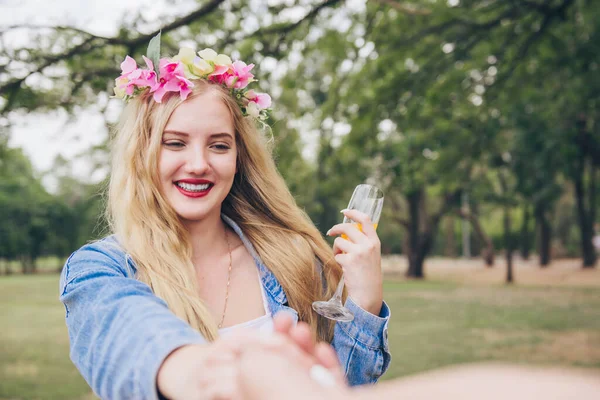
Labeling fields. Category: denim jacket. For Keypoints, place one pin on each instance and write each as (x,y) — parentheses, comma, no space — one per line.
(120,332)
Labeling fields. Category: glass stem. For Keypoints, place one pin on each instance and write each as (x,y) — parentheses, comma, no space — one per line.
(338,291)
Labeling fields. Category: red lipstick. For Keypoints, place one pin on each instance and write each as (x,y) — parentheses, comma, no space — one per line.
(194,194)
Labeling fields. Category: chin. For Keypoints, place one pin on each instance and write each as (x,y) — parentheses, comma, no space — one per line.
(189,215)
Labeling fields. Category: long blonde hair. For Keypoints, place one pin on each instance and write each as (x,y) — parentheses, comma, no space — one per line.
(259,202)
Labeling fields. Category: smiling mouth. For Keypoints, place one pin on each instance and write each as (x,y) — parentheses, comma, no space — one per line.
(194,188)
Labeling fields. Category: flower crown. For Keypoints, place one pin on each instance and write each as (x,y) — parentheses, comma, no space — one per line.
(174,75)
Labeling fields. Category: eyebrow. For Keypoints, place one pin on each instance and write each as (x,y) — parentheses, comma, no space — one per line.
(213,136)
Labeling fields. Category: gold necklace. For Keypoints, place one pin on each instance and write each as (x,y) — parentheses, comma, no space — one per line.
(228,280)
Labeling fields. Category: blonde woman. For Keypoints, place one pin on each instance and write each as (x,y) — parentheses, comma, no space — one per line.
(207,240)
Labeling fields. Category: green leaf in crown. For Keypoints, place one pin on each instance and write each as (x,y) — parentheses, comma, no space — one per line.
(153,53)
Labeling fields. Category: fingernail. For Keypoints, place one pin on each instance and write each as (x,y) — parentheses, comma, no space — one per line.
(327,234)
(344,210)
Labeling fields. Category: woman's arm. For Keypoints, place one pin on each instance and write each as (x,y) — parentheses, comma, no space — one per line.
(119,331)
(362,344)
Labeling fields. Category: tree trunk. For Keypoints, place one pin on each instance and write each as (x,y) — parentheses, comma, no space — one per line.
(327,215)
(488,246)
(508,245)
(480,247)
(545,235)
(415,262)
(525,235)
(23,263)
(585,215)
(450,242)
(422,229)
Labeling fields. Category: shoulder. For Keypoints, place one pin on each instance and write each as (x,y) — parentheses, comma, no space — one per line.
(105,255)
(105,249)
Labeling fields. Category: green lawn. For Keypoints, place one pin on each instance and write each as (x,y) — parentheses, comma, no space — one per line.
(433,324)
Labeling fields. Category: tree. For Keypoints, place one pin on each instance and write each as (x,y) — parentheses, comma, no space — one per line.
(23,210)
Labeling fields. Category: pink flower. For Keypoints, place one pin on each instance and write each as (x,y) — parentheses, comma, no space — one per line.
(133,77)
(220,74)
(172,79)
(240,75)
(128,66)
(143,77)
(262,100)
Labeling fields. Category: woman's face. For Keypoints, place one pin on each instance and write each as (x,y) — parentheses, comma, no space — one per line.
(197,160)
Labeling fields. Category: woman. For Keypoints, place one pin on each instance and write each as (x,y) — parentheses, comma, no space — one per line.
(206,239)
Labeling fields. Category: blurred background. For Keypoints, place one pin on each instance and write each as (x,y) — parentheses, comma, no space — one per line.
(480,120)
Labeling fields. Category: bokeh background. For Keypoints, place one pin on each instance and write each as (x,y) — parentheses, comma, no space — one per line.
(480,120)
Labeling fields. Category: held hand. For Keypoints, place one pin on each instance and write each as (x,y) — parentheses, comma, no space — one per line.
(360,258)
(297,368)
(211,371)
(321,353)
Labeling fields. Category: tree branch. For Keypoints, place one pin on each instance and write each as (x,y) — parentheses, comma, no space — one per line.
(178,23)
(408,9)
(397,211)
(449,200)
(94,42)
(284,29)
(54,28)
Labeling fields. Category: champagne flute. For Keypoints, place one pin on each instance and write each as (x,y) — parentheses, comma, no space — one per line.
(369,200)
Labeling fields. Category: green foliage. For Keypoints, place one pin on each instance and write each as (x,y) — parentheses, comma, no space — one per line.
(35,222)
(424,99)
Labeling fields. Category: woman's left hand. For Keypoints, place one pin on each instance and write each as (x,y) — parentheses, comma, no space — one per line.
(360,258)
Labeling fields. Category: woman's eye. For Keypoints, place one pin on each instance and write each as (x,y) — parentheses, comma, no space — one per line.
(221,146)
(173,144)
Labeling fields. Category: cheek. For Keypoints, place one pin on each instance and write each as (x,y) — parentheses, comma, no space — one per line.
(167,165)
(227,166)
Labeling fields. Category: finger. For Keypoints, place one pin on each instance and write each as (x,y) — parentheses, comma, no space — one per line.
(287,380)
(327,357)
(368,228)
(341,245)
(342,259)
(350,230)
(282,323)
(303,337)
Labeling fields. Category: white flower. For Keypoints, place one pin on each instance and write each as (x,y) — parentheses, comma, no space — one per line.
(212,56)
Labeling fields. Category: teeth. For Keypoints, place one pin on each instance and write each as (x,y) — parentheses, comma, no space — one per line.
(193,188)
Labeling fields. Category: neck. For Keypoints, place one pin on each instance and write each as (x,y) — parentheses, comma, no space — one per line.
(207,237)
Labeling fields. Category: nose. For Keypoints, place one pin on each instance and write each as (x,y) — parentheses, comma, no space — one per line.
(197,162)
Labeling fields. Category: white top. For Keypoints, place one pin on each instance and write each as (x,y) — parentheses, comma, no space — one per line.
(263,323)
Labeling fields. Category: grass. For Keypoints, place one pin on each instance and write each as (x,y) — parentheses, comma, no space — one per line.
(34,344)
(433,324)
